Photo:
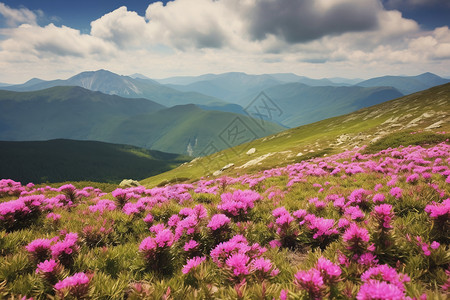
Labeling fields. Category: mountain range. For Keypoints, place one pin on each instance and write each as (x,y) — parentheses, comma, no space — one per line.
(124,86)
(406,84)
(76,113)
(301,99)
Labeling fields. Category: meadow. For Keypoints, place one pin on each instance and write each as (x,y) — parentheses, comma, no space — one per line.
(361,224)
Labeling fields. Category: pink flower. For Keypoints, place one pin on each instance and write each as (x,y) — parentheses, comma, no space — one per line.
(261,264)
(148,219)
(354,213)
(383,214)
(238,264)
(396,192)
(275,244)
(76,284)
(239,202)
(378,198)
(53,216)
(329,271)
(218,221)
(192,244)
(387,274)
(192,263)
(48,266)
(284,294)
(379,290)
(356,237)
(310,281)
(434,245)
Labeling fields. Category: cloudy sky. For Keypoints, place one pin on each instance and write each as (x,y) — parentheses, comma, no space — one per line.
(317,38)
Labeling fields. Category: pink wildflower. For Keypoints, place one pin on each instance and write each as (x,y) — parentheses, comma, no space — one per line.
(396,192)
(192,264)
(218,221)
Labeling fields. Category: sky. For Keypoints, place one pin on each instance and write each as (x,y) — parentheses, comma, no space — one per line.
(54,39)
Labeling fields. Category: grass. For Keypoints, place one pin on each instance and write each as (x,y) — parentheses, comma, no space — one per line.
(362,127)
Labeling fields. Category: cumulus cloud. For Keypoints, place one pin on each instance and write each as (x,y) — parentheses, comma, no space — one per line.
(124,28)
(14,17)
(192,23)
(299,21)
(53,40)
(260,36)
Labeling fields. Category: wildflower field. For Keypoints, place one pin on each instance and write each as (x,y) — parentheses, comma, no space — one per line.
(355,225)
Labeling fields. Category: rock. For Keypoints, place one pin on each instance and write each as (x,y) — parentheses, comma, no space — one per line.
(251,151)
(299,154)
(435,125)
(227,167)
(255,161)
(129,183)
(217,173)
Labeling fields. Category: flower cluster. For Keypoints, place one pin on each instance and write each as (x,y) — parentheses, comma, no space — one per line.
(316,280)
(238,203)
(239,258)
(77,285)
(382,282)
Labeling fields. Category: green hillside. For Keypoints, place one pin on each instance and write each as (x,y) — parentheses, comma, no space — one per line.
(391,122)
(65,112)
(189,130)
(80,114)
(301,104)
(69,160)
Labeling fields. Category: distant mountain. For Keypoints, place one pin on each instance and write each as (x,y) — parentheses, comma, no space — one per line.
(69,160)
(231,87)
(345,81)
(290,77)
(406,84)
(65,112)
(300,104)
(4,84)
(235,87)
(138,76)
(77,113)
(124,86)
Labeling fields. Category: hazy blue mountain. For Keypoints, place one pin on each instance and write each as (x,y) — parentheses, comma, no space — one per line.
(298,104)
(124,86)
(291,77)
(69,160)
(345,81)
(406,84)
(77,113)
(65,112)
(231,87)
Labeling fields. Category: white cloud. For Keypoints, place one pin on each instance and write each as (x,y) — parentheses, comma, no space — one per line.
(53,41)
(124,28)
(14,17)
(354,38)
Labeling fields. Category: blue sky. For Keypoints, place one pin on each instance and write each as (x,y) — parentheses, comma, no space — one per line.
(321,38)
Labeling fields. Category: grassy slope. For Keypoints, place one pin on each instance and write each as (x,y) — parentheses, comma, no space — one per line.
(171,130)
(68,160)
(301,104)
(361,127)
